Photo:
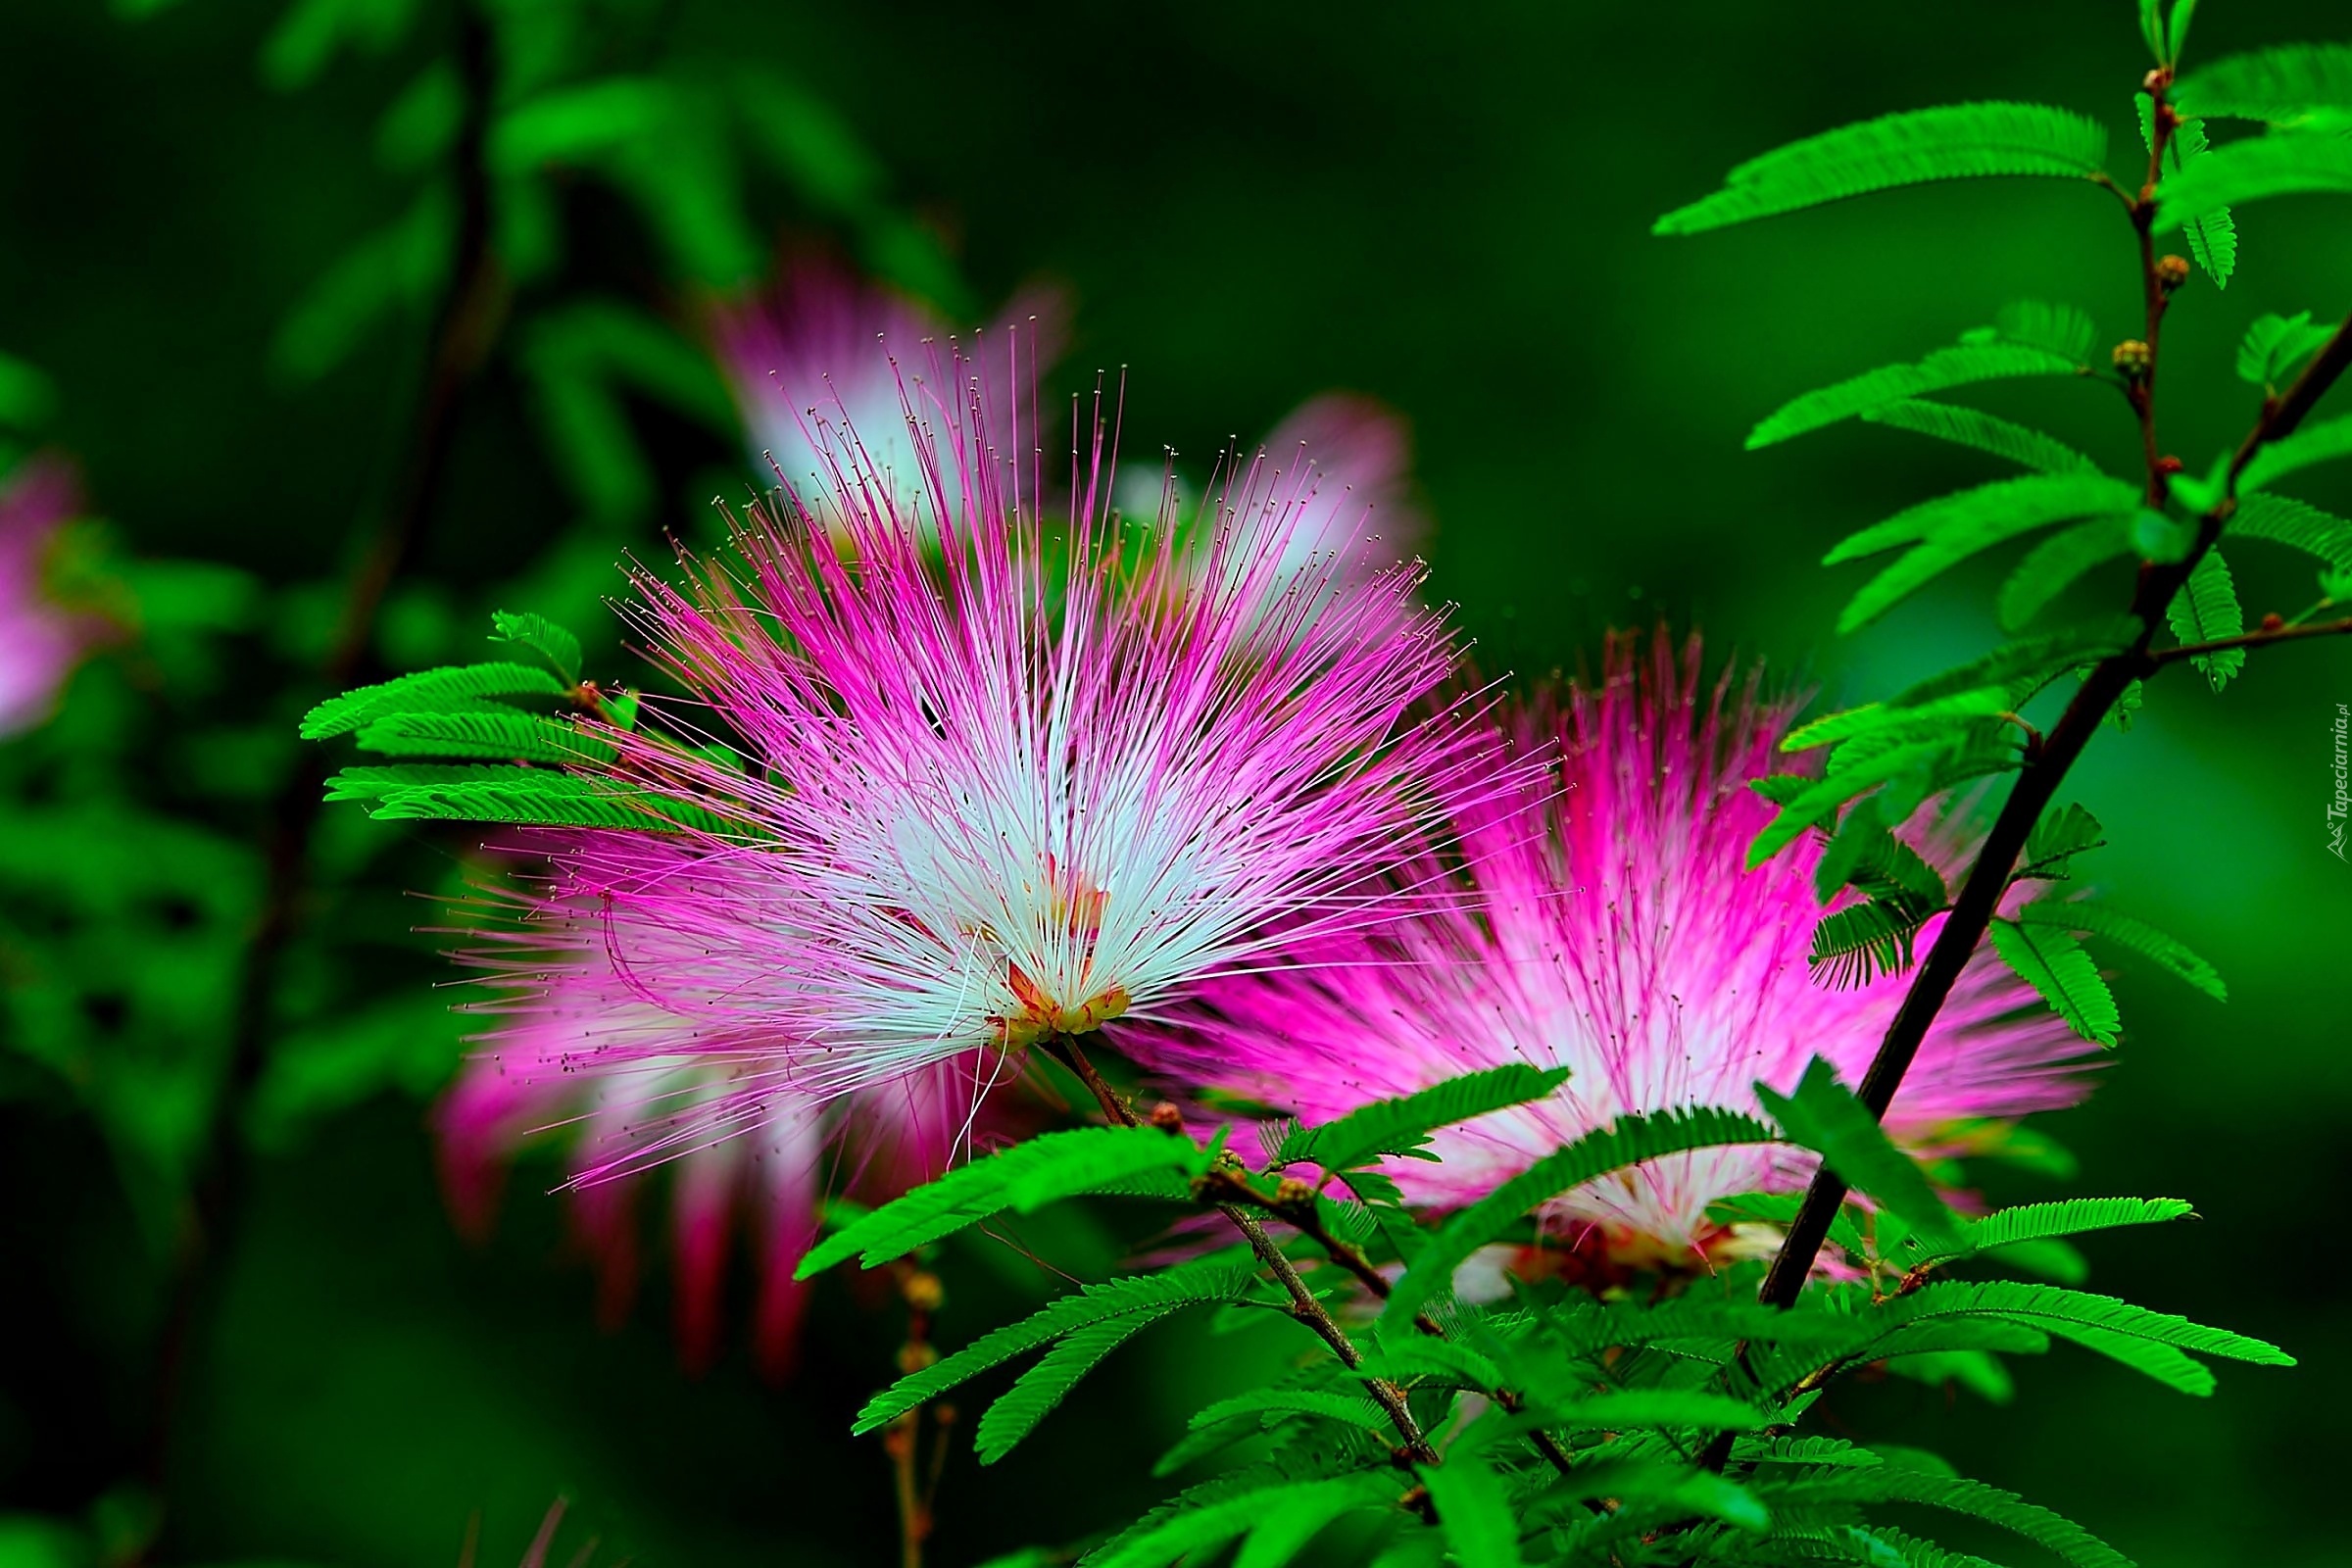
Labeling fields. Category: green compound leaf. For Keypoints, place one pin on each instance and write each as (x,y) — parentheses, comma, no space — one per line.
(1024,1177)
(2314,443)
(2212,236)
(1272,1406)
(2206,609)
(2024,667)
(1403,1124)
(1148,1297)
(2057,836)
(1474,1511)
(542,636)
(1985,432)
(2052,566)
(1961,365)
(1812,805)
(376,781)
(1208,1516)
(2275,344)
(2287,85)
(1951,528)
(2284,520)
(539,798)
(463,688)
(1889,718)
(1826,1118)
(1034,1395)
(2053,963)
(492,736)
(1959,141)
(1632,1141)
(2074,1216)
(1854,946)
(1625,1409)
(2254,169)
(2125,932)
(1903,1483)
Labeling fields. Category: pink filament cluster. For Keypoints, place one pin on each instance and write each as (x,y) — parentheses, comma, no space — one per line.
(1609,928)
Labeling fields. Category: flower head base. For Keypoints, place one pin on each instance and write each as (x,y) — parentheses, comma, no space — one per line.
(994,780)
(1614,933)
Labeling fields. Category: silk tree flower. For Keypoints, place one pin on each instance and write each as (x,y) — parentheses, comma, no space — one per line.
(1613,932)
(1008,787)
(41,638)
(819,354)
(750,1155)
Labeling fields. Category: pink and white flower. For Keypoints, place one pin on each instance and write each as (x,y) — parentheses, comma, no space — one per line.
(1613,931)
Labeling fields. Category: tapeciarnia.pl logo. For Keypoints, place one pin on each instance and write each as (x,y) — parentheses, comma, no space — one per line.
(2337,807)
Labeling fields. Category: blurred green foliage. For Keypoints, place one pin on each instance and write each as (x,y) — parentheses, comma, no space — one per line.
(246,1331)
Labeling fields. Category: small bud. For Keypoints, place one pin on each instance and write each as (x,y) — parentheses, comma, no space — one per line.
(2172,271)
(1293,1193)
(2170,466)
(2273,621)
(2132,357)
(913,1356)
(2155,78)
(1167,1118)
(923,1291)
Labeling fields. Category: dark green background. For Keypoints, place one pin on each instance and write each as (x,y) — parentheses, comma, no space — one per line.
(1445,207)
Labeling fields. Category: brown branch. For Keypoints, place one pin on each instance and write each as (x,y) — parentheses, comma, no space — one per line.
(464,324)
(1303,1305)
(2258,638)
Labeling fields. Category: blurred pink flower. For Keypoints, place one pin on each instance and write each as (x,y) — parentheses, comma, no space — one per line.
(1614,932)
(582,1055)
(821,353)
(41,639)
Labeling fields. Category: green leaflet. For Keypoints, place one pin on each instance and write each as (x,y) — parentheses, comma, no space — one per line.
(1866,855)
(2066,331)
(1403,1124)
(1875,719)
(1295,1519)
(1695,1491)
(1961,365)
(2124,931)
(2073,1217)
(1474,1511)
(1824,1117)
(2026,667)
(2057,836)
(542,636)
(1987,432)
(1855,944)
(2050,567)
(1148,1295)
(1179,1532)
(491,735)
(2212,236)
(461,688)
(1629,1408)
(2284,520)
(1271,1405)
(2253,168)
(374,781)
(1959,141)
(1438,1361)
(541,797)
(2314,443)
(2275,344)
(1632,1140)
(1951,528)
(2206,609)
(1034,1395)
(1024,1177)
(1809,805)
(2055,964)
(2286,84)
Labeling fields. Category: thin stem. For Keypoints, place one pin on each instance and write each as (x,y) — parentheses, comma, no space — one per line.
(2261,637)
(465,323)
(1304,1306)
